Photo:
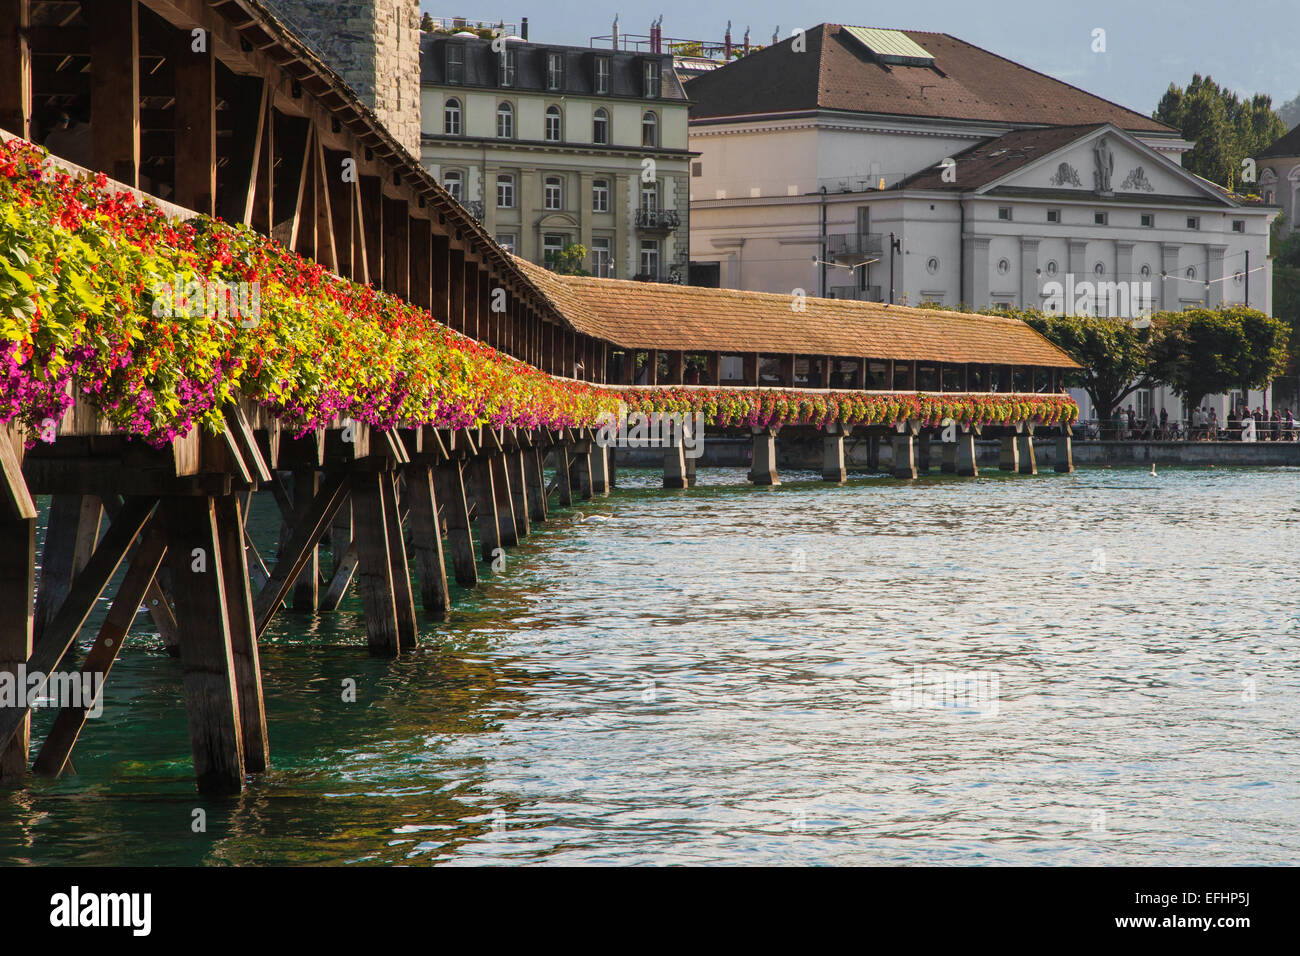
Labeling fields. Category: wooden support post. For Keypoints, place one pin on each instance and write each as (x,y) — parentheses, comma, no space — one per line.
(374,564)
(535,476)
(450,483)
(675,465)
(115,88)
(580,466)
(904,454)
(873,452)
(17,585)
(16,67)
(207,658)
(966,466)
(763,471)
(949,464)
(426,542)
(599,470)
(397,224)
(563,476)
(1025,443)
(504,497)
(306,590)
(421,288)
(195,118)
(833,455)
(1064,451)
(408,631)
(485,502)
(923,446)
(67,726)
(243,633)
(69,542)
(517,469)
(1009,454)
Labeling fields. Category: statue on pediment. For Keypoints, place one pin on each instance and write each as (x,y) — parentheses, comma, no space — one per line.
(1105,165)
(1137,181)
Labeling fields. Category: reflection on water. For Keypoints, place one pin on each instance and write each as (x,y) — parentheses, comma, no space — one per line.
(713,676)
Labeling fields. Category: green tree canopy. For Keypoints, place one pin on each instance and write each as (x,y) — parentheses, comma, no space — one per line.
(571,260)
(1203,352)
(1224,128)
(1112,351)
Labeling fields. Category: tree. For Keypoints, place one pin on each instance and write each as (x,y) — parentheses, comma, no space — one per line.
(1286,299)
(1224,128)
(1203,352)
(1112,351)
(571,259)
(1290,112)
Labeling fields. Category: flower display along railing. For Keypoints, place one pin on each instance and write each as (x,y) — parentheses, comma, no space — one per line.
(158,325)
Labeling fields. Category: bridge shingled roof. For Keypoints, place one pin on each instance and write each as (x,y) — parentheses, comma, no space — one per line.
(650,315)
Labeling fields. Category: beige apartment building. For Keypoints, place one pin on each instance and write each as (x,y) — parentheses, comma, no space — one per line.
(551,145)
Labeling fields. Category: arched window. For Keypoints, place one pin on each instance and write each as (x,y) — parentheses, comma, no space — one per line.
(600,128)
(553,193)
(451,117)
(505,121)
(453,182)
(554,125)
(649,129)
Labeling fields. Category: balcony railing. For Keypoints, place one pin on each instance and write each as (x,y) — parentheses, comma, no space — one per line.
(657,220)
(855,245)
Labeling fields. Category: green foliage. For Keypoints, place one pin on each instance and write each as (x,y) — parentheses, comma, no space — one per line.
(1112,351)
(1203,352)
(571,260)
(1224,128)
(1290,112)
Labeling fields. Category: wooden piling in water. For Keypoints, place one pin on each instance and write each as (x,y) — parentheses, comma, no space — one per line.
(833,454)
(449,480)
(1025,451)
(1064,451)
(763,470)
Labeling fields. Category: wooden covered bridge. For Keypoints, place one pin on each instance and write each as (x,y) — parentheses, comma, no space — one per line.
(252,127)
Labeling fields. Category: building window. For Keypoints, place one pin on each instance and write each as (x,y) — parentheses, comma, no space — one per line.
(453,182)
(649,197)
(505,121)
(650,129)
(602,74)
(651,79)
(601,261)
(507,241)
(1053,215)
(1193,222)
(554,126)
(552,244)
(455,63)
(600,195)
(697,169)
(451,117)
(553,193)
(555,71)
(600,128)
(650,258)
(1004,213)
(505,191)
(506,67)
(1148,220)
(1238,225)
(1100,218)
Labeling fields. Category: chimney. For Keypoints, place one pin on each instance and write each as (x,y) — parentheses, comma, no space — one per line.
(726,42)
(375,46)
(523,28)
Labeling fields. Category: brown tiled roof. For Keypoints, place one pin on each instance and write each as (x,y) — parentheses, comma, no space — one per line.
(838,73)
(648,315)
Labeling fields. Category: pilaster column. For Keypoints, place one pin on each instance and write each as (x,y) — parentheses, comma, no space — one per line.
(1029,298)
(1170,280)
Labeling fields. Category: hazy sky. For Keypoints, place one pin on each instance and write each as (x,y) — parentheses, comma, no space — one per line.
(1248,46)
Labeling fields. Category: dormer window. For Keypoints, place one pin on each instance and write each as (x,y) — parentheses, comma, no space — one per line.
(555,71)
(602,74)
(455,63)
(506,67)
(651,79)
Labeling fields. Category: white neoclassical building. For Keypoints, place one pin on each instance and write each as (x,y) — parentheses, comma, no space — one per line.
(914,167)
